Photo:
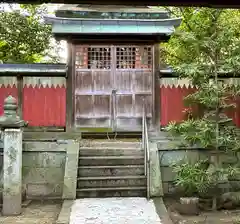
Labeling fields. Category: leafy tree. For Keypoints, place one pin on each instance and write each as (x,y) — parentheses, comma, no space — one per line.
(206,44)
(24,38)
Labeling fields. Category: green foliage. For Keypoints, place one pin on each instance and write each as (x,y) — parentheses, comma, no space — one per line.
(24,38)
(206,44)
(207,41)
(190,177)
(198,179)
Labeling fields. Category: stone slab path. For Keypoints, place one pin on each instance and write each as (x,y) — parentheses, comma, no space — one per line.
(114,211)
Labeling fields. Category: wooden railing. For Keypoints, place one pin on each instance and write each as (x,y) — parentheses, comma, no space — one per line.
(145,146)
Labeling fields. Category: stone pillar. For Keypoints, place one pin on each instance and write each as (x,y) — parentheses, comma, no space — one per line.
(11,125)
(156,189)
(71,170)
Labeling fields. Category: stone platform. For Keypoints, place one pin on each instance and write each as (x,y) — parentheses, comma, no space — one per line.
(114,211)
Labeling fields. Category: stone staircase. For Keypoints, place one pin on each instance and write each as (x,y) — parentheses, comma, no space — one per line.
(111,169)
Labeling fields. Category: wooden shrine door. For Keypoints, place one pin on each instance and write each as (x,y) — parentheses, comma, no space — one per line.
(111,84)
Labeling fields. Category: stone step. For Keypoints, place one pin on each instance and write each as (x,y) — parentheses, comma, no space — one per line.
(111,143)
(137,191)
(104,151)
(111,181)
(110,160)
(124,170)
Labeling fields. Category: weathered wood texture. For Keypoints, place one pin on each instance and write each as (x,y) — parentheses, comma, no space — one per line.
(111,85)
(69,87)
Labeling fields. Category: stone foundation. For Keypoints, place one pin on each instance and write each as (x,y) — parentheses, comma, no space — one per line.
(169,154)
(43,169)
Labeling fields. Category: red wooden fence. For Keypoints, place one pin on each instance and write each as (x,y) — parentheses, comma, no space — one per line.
(46,106)
(42,106)
(172,105)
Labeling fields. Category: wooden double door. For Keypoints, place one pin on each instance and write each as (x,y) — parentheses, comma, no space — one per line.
(112,83)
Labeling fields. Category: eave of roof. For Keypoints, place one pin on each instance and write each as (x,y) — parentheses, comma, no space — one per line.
(38,68)
(112,26)
(170,73)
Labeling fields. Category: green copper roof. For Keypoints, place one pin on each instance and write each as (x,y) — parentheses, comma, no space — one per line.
(80,26)
(96,19)
(111,12)
(108,29)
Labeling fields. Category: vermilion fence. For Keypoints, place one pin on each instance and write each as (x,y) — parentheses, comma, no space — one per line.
(172,104)
(46,106)
(42,106)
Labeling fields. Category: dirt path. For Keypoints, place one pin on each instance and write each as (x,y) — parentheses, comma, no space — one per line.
(217,217)
(45,212)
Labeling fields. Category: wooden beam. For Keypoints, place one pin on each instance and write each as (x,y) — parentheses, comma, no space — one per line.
(33,74)
(156,86)
(20,96)
(120,38)
(69,87)
(168,73)
(113,40)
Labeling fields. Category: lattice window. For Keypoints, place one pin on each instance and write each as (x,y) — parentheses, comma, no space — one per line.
(134,57)
(146,57)
(126,57)
(81,57)
(99,58)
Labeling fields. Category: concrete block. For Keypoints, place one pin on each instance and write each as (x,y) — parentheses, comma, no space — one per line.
(203,154)
(48,175)
(155,173)
(165,188)
(228,159)
(167,158)
(40,190)
(71,169)
(193,155)
(167,174)
(43,146)
(44,159)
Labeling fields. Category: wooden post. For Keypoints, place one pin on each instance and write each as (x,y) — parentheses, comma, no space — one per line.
(20,95)
(157,102)
(69,88)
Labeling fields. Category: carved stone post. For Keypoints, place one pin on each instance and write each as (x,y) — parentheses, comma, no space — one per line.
(11,125)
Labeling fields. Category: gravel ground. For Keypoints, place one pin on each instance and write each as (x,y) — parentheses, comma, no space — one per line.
(37,212)
(114,211)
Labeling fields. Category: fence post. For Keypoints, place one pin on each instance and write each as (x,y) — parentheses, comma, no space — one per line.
(12,125)
(69,87)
